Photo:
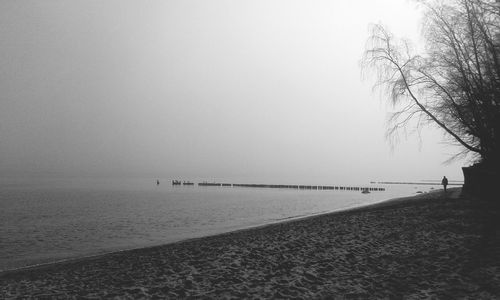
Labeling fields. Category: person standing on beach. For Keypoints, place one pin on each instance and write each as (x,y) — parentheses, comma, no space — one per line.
(444,182)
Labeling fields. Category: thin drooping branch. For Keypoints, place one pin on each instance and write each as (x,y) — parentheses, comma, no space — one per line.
(427,112)
(388,54)
(455,83)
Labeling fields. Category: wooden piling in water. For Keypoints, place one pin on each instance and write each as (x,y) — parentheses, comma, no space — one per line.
(287,186)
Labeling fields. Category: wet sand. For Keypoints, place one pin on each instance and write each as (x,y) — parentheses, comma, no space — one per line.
(429,246)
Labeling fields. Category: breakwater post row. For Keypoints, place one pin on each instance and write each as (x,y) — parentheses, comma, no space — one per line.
(456,182)
(299,187)
(178,182)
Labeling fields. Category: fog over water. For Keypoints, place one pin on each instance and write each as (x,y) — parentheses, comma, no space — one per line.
(248,91)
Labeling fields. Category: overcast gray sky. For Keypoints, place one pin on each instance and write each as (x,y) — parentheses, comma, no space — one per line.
(257,91)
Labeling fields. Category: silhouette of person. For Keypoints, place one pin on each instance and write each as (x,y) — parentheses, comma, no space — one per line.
(444,182)
(157,182)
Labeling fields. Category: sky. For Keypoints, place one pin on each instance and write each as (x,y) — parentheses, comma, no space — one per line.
(248,91)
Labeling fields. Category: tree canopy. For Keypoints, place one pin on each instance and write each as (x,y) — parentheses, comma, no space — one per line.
(454,83)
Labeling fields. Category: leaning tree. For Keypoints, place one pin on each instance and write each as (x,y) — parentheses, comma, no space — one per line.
(454,83)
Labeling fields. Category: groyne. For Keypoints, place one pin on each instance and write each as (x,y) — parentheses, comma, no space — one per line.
(298,187)
(452,182)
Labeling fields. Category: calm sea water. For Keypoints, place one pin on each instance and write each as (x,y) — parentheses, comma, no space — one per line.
(60,219)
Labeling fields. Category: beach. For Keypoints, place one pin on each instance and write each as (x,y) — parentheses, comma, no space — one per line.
(433,245)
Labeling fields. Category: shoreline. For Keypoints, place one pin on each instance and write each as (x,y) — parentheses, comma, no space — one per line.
(251,227)
(431,245)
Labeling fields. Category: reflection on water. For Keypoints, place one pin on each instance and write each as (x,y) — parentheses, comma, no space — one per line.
(56,219)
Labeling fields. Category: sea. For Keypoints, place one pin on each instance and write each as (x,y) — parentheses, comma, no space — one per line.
(46,221)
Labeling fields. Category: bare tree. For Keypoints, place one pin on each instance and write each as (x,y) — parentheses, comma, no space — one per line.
(455,83)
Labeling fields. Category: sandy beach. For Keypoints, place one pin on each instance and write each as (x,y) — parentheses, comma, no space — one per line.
(436,245)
